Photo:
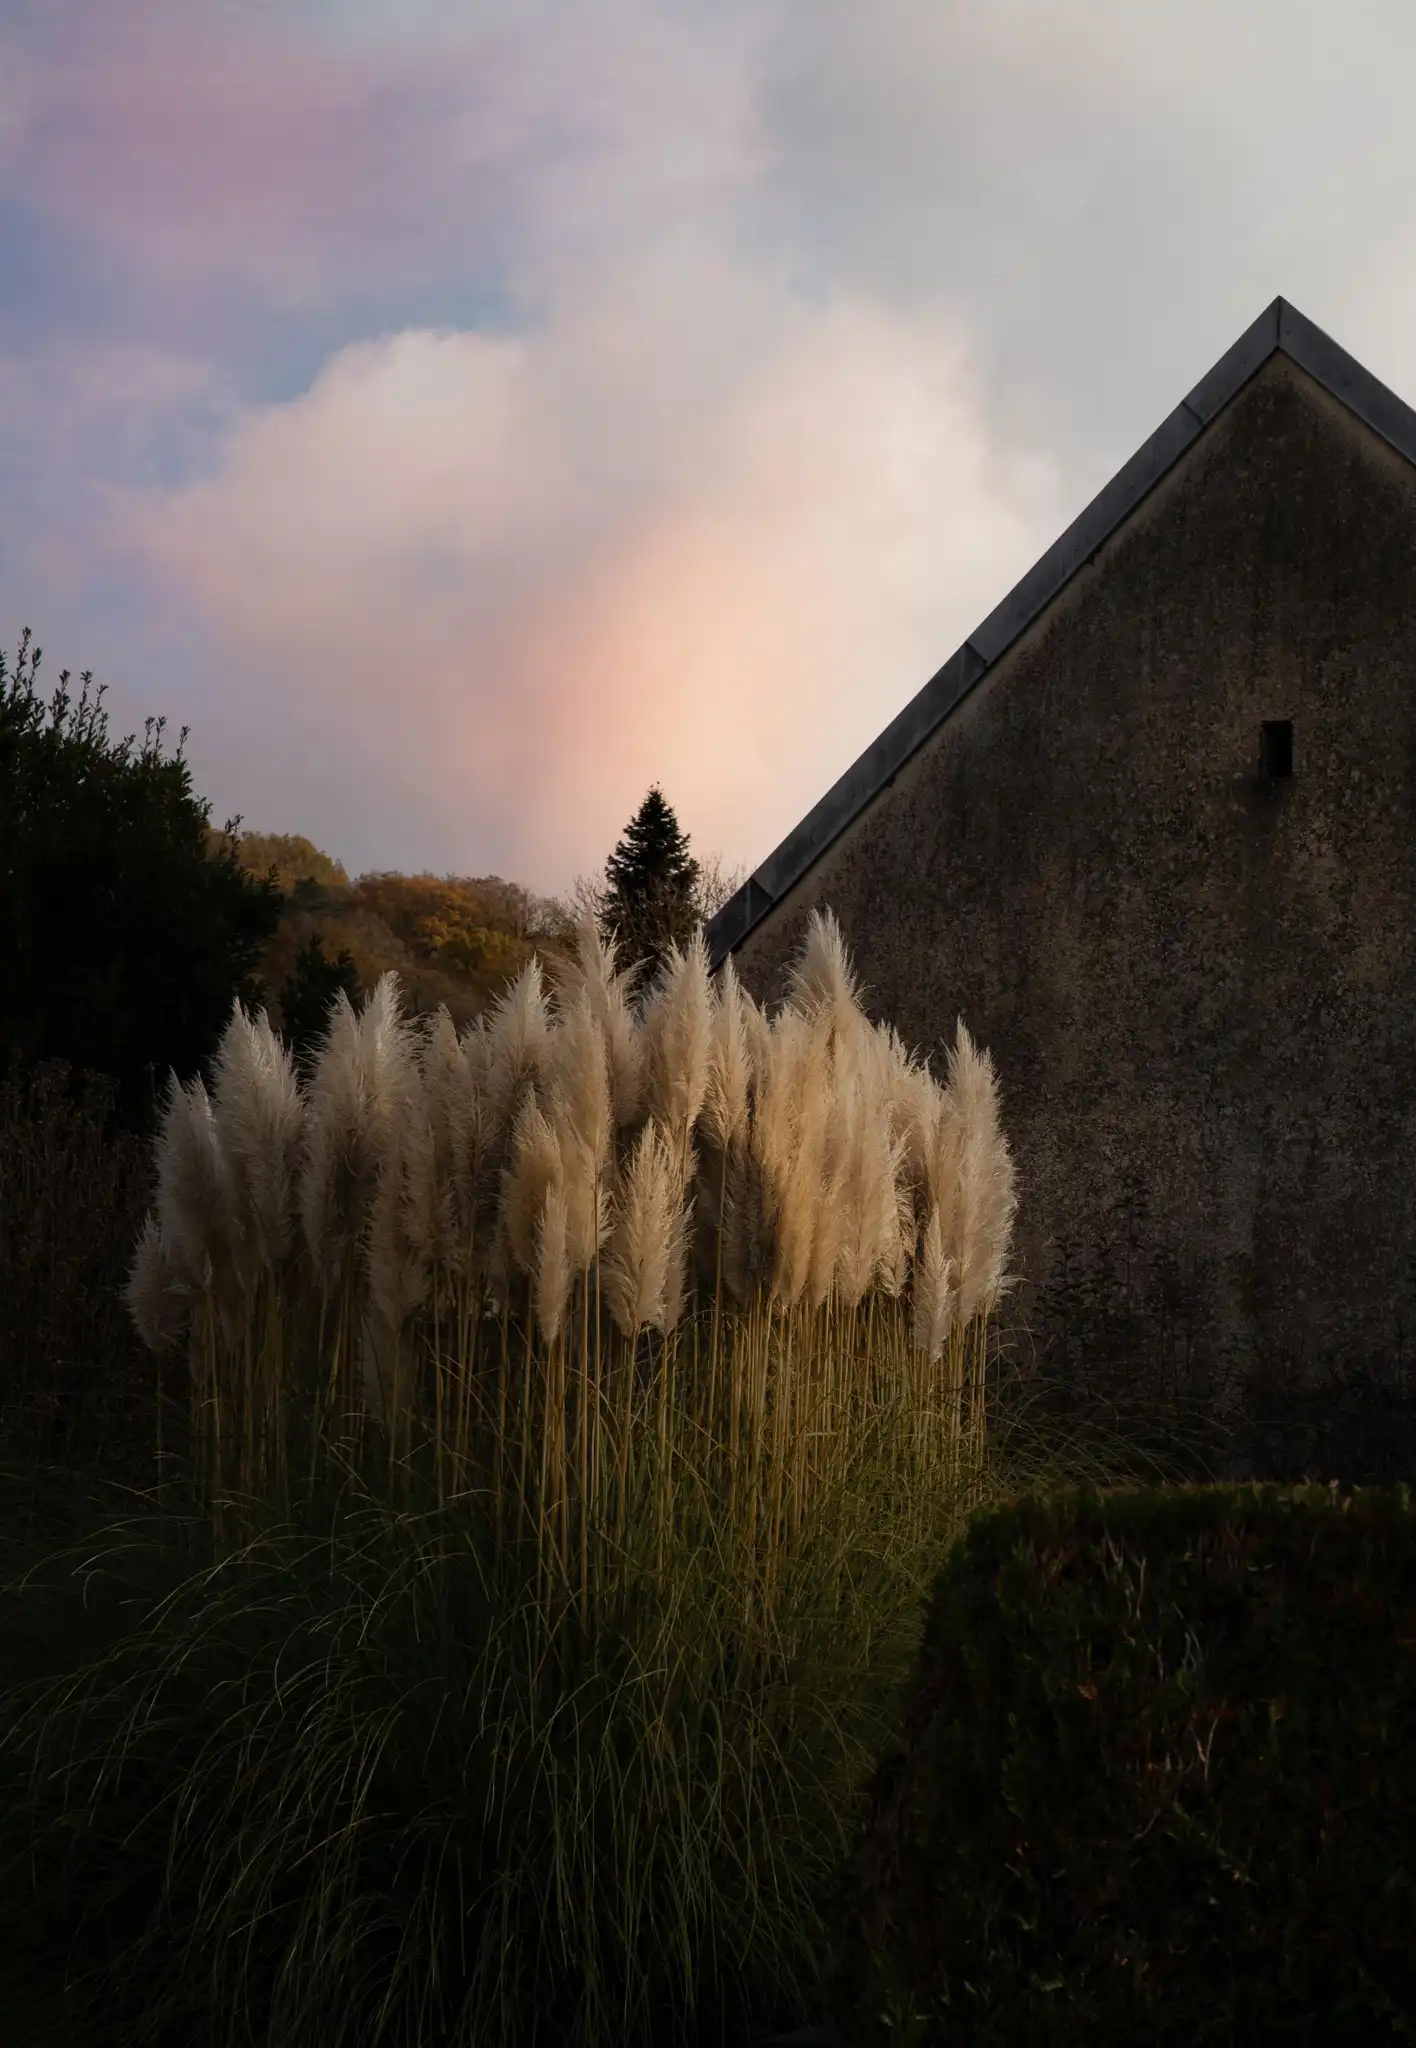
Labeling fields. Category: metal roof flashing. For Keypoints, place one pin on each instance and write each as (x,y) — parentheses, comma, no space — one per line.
(1279,328)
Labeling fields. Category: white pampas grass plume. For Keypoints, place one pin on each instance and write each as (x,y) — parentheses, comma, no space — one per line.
(157,1300)
(478,1141)
(727,1098)
(787,1050)
(675,1282)
(405,1223)
(916,1106)
(839,1092)
(747,1226)
(593,974)
(940,1129)
(680,1234)
(553,1275)
(577,1079)
(888,1192)
(518,1036)
(797,1128)
(260,1118)
(450,1104)
(803,1216)
(828,1232)
(584,1119)
(363,1085)
(935,1298)
(678,1037)
(759,1169)
(587,1206)
(635,1273)
(822,983)
(821,978)
(443,1073)
(873,1244)
(987,1200)
(196,1207)
(536,1167)
(513,1051)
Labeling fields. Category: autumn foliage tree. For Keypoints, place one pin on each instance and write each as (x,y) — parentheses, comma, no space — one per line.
(309,878)
(447,918)
(451,939)
(124,941)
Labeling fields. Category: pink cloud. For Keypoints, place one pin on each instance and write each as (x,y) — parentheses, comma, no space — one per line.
(257,144)
(525,577)
(200,144)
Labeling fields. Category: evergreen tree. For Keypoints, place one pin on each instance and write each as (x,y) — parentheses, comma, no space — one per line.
(650,897)
(125,941)
(309,993)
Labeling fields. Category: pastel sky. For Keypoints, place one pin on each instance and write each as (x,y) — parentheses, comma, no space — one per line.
(462,416)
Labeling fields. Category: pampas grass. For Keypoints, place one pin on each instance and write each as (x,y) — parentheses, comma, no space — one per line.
(642,1328)
(258,1114)
(196,1207)
(157,1298)
(636,1277)
(543,1178)
(678,1039)
(592,972)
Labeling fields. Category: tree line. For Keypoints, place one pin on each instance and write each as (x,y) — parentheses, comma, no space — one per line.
(129,924)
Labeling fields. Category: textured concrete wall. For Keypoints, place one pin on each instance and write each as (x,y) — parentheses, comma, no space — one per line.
(1190,985)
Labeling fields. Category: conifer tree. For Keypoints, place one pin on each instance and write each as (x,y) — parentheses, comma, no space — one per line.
(308,995)
(650,898)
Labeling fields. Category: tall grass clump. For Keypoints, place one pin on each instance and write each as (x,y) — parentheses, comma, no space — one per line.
(579,1406)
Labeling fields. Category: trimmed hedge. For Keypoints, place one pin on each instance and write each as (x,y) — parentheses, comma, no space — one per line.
(1156,1780)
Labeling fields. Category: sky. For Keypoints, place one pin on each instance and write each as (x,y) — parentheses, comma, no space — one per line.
(461,416)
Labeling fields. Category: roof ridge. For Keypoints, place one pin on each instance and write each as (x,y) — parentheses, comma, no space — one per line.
(1279,329)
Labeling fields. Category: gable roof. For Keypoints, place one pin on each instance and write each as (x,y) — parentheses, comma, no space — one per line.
(1279,329)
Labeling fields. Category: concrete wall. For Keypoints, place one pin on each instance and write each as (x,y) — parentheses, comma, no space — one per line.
(1200,995)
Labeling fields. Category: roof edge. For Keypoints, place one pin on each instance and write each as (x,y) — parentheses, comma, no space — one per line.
(1280,328)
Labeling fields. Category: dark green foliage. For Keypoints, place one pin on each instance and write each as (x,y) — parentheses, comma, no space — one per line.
(125,944)
(77,1382)
(650,899)
(1156,1781)
(306,997)
(309,897)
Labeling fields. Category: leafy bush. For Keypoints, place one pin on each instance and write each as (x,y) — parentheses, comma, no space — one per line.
(78,1386)
(124,943)
(1156,1781)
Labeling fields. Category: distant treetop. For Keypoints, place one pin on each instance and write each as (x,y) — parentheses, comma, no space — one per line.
(650,899)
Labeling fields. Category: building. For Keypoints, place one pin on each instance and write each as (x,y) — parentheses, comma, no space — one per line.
(1152,832)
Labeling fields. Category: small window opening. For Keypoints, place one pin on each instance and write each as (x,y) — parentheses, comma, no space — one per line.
(1276,748)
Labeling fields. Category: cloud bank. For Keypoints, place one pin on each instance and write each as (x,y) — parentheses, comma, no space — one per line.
(463,418)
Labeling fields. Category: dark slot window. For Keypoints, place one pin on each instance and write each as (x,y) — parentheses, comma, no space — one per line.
(1277,747)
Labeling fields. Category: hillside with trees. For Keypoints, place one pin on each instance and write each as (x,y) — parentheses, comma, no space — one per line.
(459,939)
(130,924)
(452,939)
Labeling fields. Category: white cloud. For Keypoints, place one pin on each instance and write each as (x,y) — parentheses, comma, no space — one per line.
(706,536)
(826,319)
(1106,192)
